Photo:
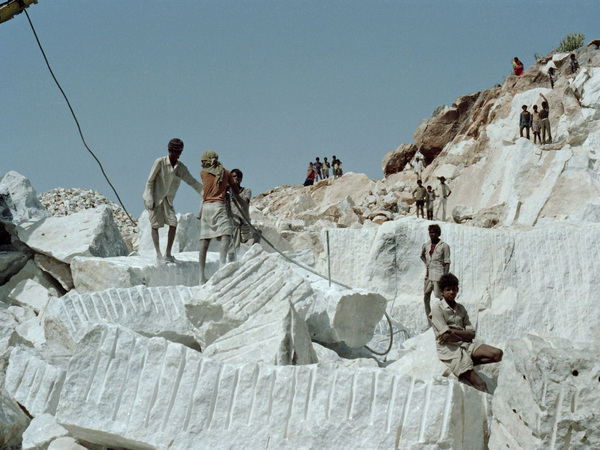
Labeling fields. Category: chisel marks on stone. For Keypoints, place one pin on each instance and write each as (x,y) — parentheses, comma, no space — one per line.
(309,392)
(176,384)
(234,389)
(288,415)
(256,375)
(123,383)
(95,366)
(425,413)
(190,404)
(330,396)
(213,400)
(374,379)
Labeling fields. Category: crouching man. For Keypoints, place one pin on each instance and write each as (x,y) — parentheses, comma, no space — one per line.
(455,336)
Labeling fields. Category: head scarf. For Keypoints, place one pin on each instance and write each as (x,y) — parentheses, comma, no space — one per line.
(175,145)
(214,166)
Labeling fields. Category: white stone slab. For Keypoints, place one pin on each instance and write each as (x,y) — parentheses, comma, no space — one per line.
(33,382)
(171,396)
(42,430)
(21,199)
(97,274)
(156,311)
(547,396)
(31,294)
(274,335)
(92,232)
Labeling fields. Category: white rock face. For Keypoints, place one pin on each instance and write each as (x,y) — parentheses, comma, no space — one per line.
(510,280)
(91,274)
(547,396)
(172,396)
(88,233)
(157,311)
(21,200)
(29,272)
(275,335)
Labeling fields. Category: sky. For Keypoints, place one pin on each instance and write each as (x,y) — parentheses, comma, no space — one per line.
(268,84)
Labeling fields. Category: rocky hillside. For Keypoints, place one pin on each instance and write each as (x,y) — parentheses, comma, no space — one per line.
(497,179)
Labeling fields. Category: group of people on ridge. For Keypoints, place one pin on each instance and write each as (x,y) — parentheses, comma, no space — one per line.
(538,121)
(224,213)
(425,197)
(320,170)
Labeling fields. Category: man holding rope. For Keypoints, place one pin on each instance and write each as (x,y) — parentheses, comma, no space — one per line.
(214,220)
(242,231)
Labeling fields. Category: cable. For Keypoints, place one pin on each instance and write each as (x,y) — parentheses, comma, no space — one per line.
(75,117)
(310,269)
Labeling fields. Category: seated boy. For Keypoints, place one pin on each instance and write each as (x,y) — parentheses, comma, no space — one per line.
(455,334)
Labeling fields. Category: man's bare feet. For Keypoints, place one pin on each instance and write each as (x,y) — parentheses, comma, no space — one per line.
(171,259)
(160,260)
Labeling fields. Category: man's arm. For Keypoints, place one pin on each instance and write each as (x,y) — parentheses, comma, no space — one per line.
(148,195)
(454,335)
(186,176)
(446,258)
(423,258)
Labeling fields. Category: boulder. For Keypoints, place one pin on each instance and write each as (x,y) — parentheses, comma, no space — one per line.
(461,213)
(58,270)
(92,232)
(343,315)
(31,294)
(21,205)
(42,430)
(11,263)
(396,160)
(172,396)
(30,272)
(14,422)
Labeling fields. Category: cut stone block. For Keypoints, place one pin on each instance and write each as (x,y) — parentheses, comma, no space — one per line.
(343,315)
(34,382)
(171,396)
(547,396)
(92,232)
(33,272)
(97,274)
(156,311)
(274,335)
(42,430)
(240,289)
(31,294)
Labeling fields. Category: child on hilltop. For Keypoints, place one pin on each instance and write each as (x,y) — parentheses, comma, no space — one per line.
(454,336)
(525,121)
(573,63)
(545,122)
(430,202)
(318,166)
(325,168)
(552,76)
(536,125)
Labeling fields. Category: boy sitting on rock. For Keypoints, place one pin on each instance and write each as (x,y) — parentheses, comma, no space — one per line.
(454,336)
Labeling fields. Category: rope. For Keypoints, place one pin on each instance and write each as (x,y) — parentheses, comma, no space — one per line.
(310,269)
(75,117)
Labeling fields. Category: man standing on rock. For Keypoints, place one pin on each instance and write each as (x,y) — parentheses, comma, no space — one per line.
(435,254)
(444,193)
(214,220)
(165,176)
(419,195)
(242,232)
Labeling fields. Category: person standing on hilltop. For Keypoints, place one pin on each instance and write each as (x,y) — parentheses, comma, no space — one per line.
(318,166)
(214,220)
(418,167)
(325,168)
(310,175)
(337,167)
(536,124)
(444,193)
(545,120)
(430,202)
(524,121)
(573,63)
(165,176)
(419,195)
(517,67)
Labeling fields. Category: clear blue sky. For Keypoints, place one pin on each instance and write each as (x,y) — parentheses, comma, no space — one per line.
(267,84)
